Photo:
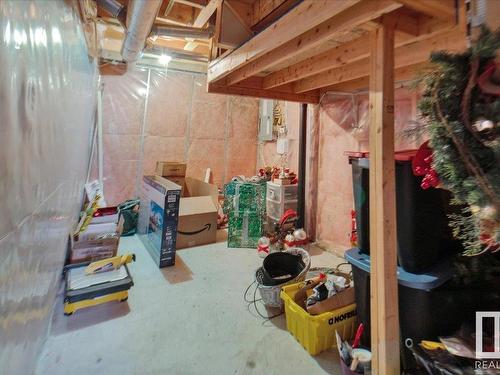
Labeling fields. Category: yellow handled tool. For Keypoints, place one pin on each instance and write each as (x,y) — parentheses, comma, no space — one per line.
(109,264)
(432,345)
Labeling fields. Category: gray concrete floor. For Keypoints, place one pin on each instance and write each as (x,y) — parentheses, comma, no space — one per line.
(186,319)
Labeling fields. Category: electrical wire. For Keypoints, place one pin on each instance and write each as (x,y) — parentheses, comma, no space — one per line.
(255,300)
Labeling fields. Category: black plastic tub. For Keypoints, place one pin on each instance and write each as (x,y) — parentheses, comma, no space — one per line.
(423,235)
(430,304)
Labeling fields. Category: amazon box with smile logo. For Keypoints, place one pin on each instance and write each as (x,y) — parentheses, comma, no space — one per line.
(197,214)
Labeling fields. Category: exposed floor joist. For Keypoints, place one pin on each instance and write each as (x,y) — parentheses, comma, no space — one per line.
(435,8)
(304,16)
(346,20)
(241,89)
(293,56)
(412,53)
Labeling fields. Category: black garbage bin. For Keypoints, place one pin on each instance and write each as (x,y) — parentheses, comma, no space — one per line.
(423,234)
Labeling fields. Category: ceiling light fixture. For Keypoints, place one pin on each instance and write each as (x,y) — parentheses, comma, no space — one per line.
(164,59)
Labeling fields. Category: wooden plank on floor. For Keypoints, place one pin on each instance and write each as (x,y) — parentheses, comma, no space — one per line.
(384,284)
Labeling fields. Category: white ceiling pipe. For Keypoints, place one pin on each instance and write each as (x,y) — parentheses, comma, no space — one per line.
(141,15)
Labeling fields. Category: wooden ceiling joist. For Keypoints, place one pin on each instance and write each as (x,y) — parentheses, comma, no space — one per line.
(436,8)
(412,53)
(255,91)
(321,44)
(304,16)
(346,53)
(345,20)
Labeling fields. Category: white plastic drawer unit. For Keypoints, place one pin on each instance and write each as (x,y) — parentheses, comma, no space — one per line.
(280,193)
(275,210)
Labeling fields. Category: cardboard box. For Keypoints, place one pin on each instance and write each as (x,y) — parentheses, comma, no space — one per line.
(88,250)
(158,218)
(197,214)
(170,169)
(181,181)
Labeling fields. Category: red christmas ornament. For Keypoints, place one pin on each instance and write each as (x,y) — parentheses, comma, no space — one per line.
(422,166)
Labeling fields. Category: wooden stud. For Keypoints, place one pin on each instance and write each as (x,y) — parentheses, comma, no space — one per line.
(341,22)
(384,283)
(305,16)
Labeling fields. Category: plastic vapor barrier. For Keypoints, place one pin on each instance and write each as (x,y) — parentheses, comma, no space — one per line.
(47,106)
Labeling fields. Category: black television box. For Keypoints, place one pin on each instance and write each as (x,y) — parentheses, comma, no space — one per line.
(158,218)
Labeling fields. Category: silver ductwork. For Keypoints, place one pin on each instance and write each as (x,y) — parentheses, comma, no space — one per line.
(141,15)
(113,7)
(175,54)
(182,31)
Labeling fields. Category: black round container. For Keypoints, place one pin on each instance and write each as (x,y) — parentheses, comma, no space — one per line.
(279,268)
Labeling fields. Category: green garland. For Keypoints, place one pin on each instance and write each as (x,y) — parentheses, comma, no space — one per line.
(465,158)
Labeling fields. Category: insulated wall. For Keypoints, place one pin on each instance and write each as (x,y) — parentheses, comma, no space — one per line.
(151,115)
(267,149)
(47,106)
(344,127)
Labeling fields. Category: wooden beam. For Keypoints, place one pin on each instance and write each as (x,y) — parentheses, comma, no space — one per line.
(349,52)
(214,41)
(407,73)
(435,8)
(202,19)
(242,90)
(384,282)
(206,13)
(336,57)
(276,13)
(408,54)
(169,7)
(405,22)
(345,20)
(191,3)
(305,16)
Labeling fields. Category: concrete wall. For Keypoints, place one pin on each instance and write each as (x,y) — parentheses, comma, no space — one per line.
(47,104)
(169,116)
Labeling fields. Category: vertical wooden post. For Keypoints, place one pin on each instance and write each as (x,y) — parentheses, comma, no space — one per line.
(384,284)
(301,188)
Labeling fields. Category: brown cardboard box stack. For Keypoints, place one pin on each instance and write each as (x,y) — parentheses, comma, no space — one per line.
(101,237)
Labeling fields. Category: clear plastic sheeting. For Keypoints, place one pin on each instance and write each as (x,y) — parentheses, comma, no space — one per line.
(152,115)
(47,106)
(348,111)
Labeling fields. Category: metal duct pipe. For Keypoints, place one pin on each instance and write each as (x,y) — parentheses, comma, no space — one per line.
(175,55)
(113,7)
(182,31)
(141,15)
